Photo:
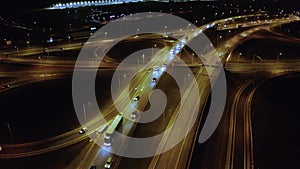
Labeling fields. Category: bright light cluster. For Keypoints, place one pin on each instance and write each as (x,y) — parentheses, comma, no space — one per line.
(89,3)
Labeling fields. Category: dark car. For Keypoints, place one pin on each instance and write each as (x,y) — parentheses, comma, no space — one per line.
(5,87)
(154,79)
(93,167)
(136,98)
(83,130)
(134,115)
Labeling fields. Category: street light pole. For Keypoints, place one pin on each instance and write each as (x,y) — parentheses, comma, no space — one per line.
(48,52)
(240,54)
(28,44)
(69,38)
(280,54)
(195,23)
(84,113)
(152,49)
(17,50)
(218,39)
(10,132)
(105,35)
(43,67)
(187,27)
(203,20)
(215,15)
(193,58)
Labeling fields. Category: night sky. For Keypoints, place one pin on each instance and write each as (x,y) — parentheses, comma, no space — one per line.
(14,6)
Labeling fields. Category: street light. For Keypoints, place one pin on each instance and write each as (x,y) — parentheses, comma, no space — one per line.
(165,29)
(195,23)
(193,58)
(220,37)
(47,50)
(215,15)
(280,54)
(152,49)
(28,44)
(105,35)
(69,38)
(10,133)
(203,20)
(187,27)
(240,54)
(17,50)
(43,67)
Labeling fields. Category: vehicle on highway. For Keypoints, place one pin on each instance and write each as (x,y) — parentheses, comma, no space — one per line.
(83,130)
(115,125)
(136,98)
(108,163)
(134,115)
(154,80)
(164,65)
(5,86)
(102,129)
(156,68)
(93,167)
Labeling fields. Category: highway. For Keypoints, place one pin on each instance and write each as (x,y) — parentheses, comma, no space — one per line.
(180,147)
(174,158)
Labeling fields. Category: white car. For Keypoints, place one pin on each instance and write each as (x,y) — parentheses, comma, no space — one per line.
(102,129)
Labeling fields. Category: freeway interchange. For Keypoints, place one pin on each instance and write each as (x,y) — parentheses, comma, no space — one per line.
(237,156)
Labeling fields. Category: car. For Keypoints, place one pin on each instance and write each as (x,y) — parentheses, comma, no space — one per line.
(93,167)
(156,69)
(102,129)
(108,163)
(83,130)
(164,65)
(136,98)
(154,79)
(5,86)
(133,115)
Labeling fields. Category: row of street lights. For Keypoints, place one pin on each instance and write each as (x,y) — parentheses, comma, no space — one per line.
(253,58)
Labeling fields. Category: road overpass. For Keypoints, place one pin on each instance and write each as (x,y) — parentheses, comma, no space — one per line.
(182,150)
